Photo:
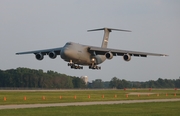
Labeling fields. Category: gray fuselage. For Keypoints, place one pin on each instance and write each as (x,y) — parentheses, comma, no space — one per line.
(78,54)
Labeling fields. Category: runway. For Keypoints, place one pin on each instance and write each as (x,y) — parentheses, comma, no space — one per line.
(84,103)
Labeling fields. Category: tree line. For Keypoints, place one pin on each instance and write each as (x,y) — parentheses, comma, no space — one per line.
(122,83)
(30,78)
(160,83)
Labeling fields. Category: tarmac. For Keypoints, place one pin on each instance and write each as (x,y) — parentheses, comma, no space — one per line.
(84,103)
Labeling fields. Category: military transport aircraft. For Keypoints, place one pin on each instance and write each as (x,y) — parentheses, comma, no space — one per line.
(78,55)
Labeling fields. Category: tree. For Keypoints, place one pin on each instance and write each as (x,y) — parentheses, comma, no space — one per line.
(98,83)
(78,82)
(114,82)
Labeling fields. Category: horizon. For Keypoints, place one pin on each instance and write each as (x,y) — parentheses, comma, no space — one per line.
(87,76)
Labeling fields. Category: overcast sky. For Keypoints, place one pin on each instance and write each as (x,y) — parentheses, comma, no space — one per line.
(27,25)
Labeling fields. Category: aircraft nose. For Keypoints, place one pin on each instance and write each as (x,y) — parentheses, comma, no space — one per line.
(65,53)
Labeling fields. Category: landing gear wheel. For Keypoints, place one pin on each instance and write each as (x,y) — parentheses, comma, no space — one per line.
(89,67)
(72,67)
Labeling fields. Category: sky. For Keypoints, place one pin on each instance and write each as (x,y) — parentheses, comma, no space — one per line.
(27,25)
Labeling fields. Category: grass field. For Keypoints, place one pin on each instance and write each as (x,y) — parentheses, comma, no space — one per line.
(33,97)
(135,109)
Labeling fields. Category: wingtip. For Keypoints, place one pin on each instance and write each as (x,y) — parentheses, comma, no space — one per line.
(164,55)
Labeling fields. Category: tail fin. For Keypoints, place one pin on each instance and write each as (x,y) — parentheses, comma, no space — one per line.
(106,35)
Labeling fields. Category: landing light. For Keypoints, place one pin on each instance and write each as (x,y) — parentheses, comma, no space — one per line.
(93,59)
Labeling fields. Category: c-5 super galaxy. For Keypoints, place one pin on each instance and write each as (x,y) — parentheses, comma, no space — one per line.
(78,55)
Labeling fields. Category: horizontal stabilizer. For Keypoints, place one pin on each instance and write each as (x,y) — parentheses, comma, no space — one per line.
(109,29)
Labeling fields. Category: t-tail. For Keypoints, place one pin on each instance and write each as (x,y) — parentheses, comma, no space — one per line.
(106,35)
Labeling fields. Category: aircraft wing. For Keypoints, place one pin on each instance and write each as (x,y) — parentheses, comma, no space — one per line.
(116,52)
(44,52)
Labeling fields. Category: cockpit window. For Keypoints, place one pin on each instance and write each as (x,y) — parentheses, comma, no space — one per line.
(69,43)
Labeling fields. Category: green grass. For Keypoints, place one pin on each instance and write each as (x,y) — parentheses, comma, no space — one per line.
(135,109)
(16,97)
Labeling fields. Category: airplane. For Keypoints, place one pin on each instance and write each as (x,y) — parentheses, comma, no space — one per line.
(78,55)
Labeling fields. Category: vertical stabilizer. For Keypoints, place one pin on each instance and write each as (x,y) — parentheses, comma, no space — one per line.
(106,35)
(105,38)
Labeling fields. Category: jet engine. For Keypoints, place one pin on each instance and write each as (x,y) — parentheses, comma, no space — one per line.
(39,56)
(52,55)
(127,57)
(109,55)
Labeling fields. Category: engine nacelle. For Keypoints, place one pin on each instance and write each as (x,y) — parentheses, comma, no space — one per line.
(127,57)
(39,56)
(52,55)
(109,55)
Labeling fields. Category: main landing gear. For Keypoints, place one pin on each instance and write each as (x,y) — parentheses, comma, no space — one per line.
(74,66)
(95,67)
